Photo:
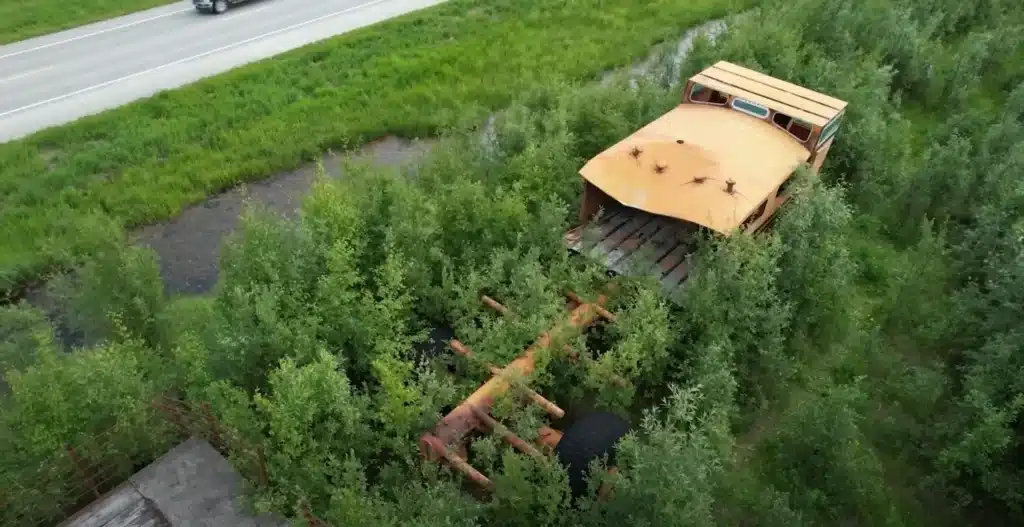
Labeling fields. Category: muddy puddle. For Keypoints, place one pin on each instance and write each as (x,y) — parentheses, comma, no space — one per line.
(188,246)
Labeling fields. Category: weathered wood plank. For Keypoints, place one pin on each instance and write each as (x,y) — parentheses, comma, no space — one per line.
(673,258)
(610,241)
(677,274)
(653,250)
(630,245)
(593,233)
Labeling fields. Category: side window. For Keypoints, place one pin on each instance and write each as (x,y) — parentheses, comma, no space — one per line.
(800,130)
(756,214)
(750,108)
(829,130)
(704,95)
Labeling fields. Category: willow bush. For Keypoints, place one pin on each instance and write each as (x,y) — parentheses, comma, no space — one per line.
(867,342)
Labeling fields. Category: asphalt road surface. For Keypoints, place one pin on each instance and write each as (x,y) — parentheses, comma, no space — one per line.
(59,78)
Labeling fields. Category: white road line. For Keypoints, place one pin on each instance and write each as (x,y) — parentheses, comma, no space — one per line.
(232,15)
(93,34)
(25,74)
(186,59)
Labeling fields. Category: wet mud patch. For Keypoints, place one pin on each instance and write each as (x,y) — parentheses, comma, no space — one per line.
(188,246)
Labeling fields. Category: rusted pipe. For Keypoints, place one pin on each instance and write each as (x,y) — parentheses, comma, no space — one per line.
(605,314)
(458,347)
(494,304)
(492,424)
(437,449)
(551,408)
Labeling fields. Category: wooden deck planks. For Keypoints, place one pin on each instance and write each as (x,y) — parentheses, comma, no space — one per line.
(664,250)
(644,248)
(611,238)
(609,221)
(626,235)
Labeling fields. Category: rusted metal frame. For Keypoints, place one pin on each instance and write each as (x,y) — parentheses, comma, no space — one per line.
(601,311)
(610,317)
(460,421)
(436,446)
(494,304)
(551,408)
(605,314)
(490,424)
(504,311)
(573,355)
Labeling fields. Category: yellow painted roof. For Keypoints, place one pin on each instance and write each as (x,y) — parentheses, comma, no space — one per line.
(717,143)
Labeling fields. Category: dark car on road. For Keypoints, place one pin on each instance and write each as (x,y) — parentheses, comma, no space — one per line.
(214,6)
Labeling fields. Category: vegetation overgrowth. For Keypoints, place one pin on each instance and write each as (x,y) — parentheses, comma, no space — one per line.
(860,364)
(20,20)
(414,75)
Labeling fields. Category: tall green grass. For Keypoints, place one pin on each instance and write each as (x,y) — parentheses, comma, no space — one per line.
(21,19)
(414,75)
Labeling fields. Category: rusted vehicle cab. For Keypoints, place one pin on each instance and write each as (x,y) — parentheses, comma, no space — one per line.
(721,161)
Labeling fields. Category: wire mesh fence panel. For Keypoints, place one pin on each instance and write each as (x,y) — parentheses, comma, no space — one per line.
(46,491)
(198,419)
(50,489)
(42,494)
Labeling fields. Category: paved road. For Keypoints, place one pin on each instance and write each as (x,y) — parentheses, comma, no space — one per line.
(61,77)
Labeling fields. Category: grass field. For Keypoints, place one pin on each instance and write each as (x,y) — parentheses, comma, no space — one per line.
(411,76)
(21,19)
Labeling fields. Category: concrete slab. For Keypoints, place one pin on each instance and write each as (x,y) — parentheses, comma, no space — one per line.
(192,485)
(121,507)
